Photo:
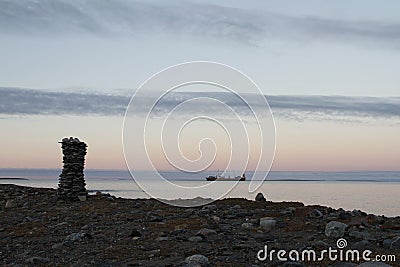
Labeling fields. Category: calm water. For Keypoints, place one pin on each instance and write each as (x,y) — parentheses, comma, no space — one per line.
(373,192)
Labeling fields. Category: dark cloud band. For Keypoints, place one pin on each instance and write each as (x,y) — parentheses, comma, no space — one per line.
(15,101)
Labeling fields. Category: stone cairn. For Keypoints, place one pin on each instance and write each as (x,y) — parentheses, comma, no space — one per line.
(71,185)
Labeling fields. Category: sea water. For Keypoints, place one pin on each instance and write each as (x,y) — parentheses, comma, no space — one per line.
(372,192)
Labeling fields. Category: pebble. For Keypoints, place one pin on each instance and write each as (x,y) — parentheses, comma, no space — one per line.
(343,215)
(82,198)
(358,213)
(216,218)
(197,259)
(37,260)
(264,237)
(302,212)
(364,244)
(206,231)
(195,238)
(267,223)
(335,229)
(292,264)
(247,225)
(135,233)
(57,246)
(316,214)
(374,264)
(77,237)
(343,264)
(61,224)
(288,211)
(320,245)
(11,203)
(210,207)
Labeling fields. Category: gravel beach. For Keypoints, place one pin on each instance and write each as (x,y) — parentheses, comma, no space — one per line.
(38,229)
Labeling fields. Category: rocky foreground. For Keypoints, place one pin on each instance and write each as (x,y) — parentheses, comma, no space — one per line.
(38,229)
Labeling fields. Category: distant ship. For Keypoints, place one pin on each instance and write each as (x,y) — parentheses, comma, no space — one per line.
(223,178)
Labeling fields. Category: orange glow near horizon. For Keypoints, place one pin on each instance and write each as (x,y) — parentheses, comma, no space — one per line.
(32,142)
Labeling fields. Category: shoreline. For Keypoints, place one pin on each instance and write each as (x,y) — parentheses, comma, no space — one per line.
(37,228)
(375,198)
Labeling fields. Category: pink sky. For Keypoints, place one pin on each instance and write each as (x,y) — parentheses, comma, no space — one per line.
(32,142)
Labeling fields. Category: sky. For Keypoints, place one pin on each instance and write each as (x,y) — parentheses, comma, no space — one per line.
(328,70)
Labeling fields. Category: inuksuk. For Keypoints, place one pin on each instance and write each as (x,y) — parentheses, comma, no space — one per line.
(72,184)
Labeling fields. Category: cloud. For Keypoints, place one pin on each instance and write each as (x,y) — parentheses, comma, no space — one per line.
(15,101)
(131,18)
(339,105)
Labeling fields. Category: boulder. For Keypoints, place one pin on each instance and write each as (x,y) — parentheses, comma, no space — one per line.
(335,229)
(260,197)
(197,259)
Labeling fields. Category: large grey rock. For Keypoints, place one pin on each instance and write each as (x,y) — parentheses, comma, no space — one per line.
(335,229)
(393,243)
(360,235)
(197,259)
(396,243)
(260,197)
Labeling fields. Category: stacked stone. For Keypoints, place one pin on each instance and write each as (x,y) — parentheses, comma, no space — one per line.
(72,184)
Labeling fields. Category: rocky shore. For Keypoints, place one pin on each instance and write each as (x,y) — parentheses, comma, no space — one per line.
(37,229)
